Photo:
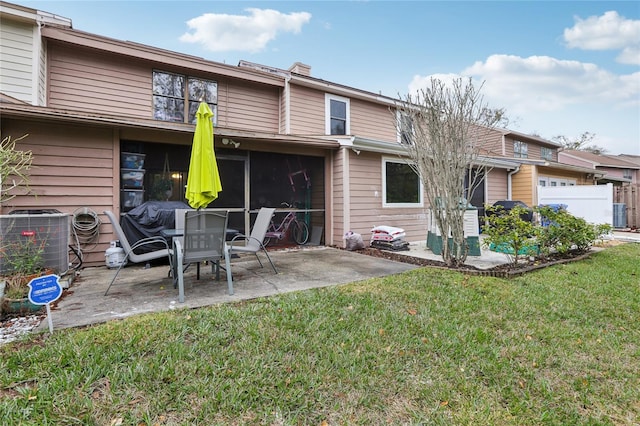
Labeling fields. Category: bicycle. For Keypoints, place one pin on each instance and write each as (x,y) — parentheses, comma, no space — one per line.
(299,229)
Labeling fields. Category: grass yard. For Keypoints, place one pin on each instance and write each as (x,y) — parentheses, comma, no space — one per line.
(560,346)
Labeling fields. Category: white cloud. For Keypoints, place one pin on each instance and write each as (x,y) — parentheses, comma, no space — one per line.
(551,97)
(545,83)
(251,33)
(607,32)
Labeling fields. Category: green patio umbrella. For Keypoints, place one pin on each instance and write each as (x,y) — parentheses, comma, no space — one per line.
(203,182)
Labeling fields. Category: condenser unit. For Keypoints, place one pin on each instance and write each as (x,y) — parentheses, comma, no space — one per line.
(50,231)
(619,215)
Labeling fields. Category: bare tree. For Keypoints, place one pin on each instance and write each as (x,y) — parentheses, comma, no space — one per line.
(582,143)
(442,130)
(15,166)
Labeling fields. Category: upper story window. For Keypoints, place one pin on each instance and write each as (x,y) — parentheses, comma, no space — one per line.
(401,185)
(406,131)
(546,153)
(176,96)
(337,115)
(520,149)
(626,173)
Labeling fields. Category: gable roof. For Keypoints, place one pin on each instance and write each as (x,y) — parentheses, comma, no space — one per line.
(601,160)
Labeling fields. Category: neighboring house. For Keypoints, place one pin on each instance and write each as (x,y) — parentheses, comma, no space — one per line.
(623,171)
(535,163)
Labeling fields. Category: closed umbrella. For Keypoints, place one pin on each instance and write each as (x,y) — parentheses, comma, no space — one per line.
(203,182)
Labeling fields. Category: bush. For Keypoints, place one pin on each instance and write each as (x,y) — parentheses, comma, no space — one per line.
(508,232)
(565,232)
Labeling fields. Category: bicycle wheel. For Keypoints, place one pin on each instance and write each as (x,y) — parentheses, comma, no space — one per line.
(300,232)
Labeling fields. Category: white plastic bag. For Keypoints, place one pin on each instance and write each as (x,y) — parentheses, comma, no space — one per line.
(353,241)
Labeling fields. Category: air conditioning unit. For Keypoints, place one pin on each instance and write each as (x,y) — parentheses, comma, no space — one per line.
(51,230)
(619,215)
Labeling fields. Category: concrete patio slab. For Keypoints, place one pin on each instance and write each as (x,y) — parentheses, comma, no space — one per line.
(138,290)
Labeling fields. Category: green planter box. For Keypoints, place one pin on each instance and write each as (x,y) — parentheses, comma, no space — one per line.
(434,243)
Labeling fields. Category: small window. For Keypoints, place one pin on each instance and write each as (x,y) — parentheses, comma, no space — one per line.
(402,187)
(337,115)
(406,131)
(176,96)
(546,153)
(520,149)
(626,173)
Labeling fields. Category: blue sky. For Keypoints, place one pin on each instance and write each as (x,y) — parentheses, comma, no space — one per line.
(557,67)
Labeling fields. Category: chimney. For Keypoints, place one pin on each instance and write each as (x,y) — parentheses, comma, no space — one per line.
(300,68)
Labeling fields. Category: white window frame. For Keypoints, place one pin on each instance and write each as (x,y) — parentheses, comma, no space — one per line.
(420,203)
(522,151)
(549,151)
(328,97)
(399,117)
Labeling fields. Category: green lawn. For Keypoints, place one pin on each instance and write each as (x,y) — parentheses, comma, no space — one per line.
(560,346)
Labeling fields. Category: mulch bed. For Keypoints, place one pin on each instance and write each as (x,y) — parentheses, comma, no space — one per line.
(501,271)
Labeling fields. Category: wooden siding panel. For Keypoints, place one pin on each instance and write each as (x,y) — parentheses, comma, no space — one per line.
(83,79)
(497,186)
(16,72)
(307,111)
(366,201)
(337,194)
(372,121)
(522,185)
(252,106)
(73,168)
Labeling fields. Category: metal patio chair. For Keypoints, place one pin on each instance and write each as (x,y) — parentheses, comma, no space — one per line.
(129,249)
(204,240)
(255,242)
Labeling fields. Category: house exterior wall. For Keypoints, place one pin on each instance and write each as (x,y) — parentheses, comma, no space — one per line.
(579,178)
(338,194)
(73,166)
(17,78)
(497,187)
(365,198)
(522,184)
(373,121)
(307,111)
(82,79)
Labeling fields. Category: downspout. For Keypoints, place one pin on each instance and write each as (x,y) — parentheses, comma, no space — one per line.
(511,173)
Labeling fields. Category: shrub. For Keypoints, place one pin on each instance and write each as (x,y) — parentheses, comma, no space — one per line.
(565,232)
(508,232)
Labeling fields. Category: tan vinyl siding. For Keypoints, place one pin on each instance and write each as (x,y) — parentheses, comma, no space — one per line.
(564,175)
(82,79)
(17,51)
(73,168)
(497,187)
(337,195)
(522,185)
(372,121)
(307,111)
(366,201)
(249,106)
(491,141)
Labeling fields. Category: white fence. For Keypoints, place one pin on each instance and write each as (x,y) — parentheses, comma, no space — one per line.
(593,203)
